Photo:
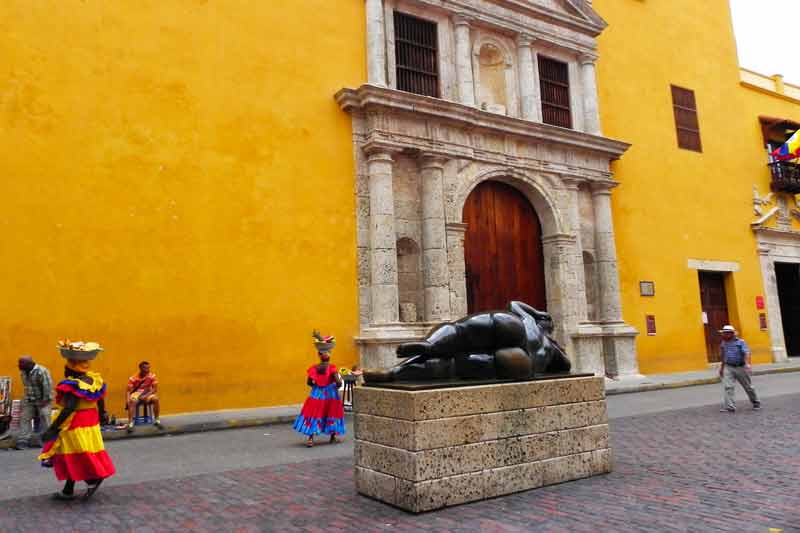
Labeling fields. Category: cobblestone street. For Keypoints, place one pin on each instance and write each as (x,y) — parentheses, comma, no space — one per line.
(687,470)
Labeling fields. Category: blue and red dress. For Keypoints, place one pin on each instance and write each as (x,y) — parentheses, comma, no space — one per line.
(322,411)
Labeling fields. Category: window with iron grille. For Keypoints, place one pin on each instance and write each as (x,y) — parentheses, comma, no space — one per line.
(686,123)
(416,55)
(554,85)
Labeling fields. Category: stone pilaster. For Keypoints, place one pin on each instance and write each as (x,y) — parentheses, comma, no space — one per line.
(618,338)
(774,318)
(382,238)
(464,77)
(606,251)
(457,267)
(528,83)
(591,112)
(561,281)
(576,260)
(376,43)
(435,272)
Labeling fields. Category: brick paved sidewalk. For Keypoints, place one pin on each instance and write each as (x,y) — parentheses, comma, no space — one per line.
(689,470)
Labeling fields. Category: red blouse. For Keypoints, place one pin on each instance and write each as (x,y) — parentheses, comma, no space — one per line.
(324,379)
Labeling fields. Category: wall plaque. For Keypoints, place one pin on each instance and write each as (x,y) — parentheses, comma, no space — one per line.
(762,321)
(647,288)
(651,324)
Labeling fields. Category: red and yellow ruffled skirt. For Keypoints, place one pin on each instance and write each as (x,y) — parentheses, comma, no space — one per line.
(78,453)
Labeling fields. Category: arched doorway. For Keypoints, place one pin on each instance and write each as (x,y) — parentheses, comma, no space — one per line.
(502,249)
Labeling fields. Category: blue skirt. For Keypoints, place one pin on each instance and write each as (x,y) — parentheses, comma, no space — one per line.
(322,412)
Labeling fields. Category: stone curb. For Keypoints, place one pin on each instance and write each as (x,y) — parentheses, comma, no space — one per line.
(192,427)
(238,423)
(645,387)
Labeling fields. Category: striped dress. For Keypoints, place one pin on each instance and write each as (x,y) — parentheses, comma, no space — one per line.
(78,453)
(322,411)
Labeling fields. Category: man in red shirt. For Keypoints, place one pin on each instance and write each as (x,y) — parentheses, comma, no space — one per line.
(142,388)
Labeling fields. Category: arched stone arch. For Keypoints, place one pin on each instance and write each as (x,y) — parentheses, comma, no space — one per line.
(536,188)
(559,244)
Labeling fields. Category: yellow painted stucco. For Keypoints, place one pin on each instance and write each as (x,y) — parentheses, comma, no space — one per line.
(177,184)
(674,204)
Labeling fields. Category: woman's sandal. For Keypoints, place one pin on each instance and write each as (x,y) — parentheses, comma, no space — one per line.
(63,497)
(91,490)
(335,439)
(309,443)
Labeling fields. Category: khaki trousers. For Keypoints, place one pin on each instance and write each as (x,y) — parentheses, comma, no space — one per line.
(30,413)
(730,376)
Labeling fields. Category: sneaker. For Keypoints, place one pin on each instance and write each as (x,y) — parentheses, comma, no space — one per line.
(129,429)
(757,407)
(727,410)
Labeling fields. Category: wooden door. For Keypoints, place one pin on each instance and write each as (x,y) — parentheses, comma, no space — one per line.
(503,249)
(715,306)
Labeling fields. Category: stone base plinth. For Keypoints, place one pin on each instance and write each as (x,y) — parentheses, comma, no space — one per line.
(423,450)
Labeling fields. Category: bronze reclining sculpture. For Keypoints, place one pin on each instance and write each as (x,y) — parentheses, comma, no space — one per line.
(513,344)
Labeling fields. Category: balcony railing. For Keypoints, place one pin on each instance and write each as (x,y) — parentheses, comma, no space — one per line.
(785,176)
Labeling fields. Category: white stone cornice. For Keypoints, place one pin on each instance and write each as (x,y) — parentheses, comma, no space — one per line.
(431,160)
(574,33)
(601,187)
(586,58)
(559,238)
(381,150)
(775,232)
(525,40)
(427,108)
(462,19)
(572,181)
(456,228)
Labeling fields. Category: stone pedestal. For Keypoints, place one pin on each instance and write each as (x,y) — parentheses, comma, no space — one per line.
(426,449)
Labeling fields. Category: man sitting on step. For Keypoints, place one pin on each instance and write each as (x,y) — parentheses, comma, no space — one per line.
(142,389)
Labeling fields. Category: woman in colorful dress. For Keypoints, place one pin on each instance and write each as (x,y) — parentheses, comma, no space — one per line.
(73,445)
(322,411)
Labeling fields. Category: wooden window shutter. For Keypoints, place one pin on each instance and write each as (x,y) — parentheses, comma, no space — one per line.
(416,55)
(686,123)
(554,85)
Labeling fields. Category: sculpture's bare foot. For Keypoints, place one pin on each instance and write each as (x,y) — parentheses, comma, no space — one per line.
(410,349)
(378,375)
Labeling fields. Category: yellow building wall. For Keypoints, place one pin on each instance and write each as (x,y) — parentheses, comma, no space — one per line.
(177,184)
(675,204)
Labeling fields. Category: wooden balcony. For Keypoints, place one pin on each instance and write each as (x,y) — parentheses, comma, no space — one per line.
(785,176)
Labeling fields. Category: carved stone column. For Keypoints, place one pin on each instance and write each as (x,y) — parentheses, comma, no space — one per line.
(384,298)
(464,79)
(376,43)
(774,318)
(591,111)
(576,261)
(558,250)
(619,344)
(606,251)
(456,263)
(528,84)
(435,272)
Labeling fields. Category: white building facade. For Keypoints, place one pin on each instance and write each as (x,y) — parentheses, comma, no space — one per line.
(462,93)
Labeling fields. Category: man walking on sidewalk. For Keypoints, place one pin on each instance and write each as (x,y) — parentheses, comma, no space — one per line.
(38,393)
(735,366)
